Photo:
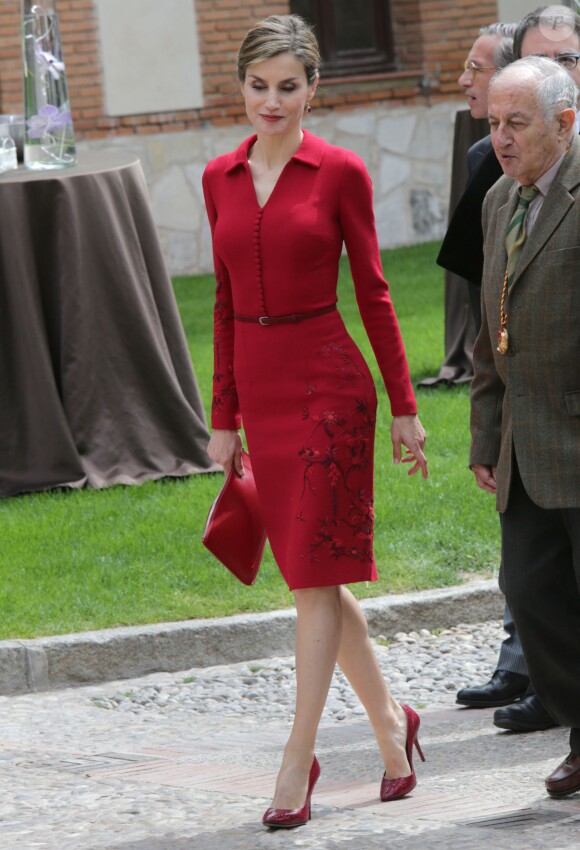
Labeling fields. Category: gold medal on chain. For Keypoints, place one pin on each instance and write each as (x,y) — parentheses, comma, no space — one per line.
(502,341)
(502,334)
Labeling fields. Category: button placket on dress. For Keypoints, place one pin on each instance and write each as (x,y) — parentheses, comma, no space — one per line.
(258,263)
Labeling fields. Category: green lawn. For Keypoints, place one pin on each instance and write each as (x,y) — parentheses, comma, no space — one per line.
(71,561)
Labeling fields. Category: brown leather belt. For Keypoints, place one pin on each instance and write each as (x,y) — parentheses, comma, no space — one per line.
(282,320)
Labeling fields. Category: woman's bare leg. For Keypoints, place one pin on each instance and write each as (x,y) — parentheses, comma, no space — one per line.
(318,637)
(358,662)
(331,626)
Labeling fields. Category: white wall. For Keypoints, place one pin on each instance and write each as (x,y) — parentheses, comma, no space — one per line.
(150,56)
(514,10)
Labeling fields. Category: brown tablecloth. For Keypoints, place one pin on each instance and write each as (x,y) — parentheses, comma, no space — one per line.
(96,382)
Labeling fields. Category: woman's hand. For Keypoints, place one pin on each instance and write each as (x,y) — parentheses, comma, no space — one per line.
(407,431)
(225,448)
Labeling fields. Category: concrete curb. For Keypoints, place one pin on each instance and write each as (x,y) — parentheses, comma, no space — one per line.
(79,659)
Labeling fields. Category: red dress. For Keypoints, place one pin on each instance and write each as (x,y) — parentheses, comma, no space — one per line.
(303,391)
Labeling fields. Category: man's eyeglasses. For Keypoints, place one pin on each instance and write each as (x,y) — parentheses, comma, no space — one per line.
(473,69)
(568,60)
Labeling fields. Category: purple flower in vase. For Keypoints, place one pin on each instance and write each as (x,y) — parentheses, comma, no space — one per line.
(48,119)
(49,64)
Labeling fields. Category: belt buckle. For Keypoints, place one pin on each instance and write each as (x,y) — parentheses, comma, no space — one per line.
(264,321)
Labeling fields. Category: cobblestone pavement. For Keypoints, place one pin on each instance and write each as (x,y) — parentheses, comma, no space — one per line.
(188,762)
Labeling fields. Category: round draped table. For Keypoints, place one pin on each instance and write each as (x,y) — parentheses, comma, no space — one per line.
(96,382)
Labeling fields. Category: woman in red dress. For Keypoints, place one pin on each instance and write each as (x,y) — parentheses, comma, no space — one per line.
(280,208)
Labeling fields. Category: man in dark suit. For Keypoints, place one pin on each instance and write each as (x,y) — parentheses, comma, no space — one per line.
(462,248)
(491,50)
(525,420)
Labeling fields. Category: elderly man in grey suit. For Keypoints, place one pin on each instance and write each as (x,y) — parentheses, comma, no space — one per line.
(525,419)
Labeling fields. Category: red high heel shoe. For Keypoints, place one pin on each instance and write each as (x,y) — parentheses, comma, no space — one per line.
(394,789)
(288,818)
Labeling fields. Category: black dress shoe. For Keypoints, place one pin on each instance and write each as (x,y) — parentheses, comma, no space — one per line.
(565,779)
(528,715)
(502,689)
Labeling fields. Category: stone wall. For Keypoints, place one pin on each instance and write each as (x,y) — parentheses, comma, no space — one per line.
(406,149)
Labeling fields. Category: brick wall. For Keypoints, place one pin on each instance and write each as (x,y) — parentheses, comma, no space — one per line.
(431,36)
(449,30)
(10,57)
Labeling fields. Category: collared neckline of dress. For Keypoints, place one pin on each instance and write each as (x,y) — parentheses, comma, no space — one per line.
(310,152)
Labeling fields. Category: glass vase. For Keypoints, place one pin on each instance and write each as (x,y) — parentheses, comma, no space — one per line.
(48,133)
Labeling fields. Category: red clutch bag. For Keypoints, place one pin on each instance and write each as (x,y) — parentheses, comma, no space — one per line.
(234,529)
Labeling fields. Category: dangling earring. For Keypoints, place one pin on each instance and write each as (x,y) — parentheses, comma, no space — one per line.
(308,108)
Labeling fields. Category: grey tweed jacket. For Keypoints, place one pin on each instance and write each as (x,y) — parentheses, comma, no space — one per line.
(529,398)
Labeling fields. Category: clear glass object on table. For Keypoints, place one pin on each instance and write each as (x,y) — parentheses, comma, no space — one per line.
(15,124)
(8,158)
(49,136)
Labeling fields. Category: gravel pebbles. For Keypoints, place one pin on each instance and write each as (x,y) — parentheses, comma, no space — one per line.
(422,668)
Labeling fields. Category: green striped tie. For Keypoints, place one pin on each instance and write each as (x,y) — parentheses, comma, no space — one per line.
(516,235)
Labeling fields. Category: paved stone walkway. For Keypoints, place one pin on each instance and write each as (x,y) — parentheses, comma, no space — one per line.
(188,762)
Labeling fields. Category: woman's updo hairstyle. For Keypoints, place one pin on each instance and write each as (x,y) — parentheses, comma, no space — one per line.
(280,34)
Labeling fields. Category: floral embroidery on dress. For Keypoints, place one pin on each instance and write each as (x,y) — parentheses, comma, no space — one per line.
(360,521)
(339,447)
(347,369)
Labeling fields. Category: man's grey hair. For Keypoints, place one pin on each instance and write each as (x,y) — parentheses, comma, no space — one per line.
(503,53)
(555,88)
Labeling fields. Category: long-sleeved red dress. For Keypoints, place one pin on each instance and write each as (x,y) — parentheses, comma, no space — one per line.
(303,390)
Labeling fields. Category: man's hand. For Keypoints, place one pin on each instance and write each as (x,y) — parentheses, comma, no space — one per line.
(407,431)
(485,477)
